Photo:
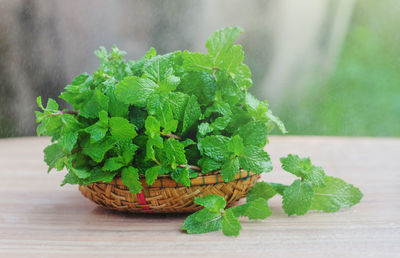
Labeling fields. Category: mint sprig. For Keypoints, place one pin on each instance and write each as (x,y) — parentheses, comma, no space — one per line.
(215,216)
(314,190)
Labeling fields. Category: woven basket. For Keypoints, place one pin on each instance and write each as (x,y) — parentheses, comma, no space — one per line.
(167,196)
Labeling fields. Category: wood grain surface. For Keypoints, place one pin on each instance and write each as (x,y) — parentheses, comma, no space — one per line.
(40,219)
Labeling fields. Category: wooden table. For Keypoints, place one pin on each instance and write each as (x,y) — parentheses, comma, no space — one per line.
(39,218)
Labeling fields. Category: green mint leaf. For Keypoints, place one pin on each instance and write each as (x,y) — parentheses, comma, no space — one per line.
(303,168)
(135,91)
(297,198)
(213,203)
(181,175)
(95,103)
(220,123)
(54,156)
(115,107)
(198,61)
(222,40)
(130,178)
(39,102)
(240,210)
(260,190)
(98,149)
(336,194)
(200,84)
(230,224)
(255,160)
(227,89)
(152,126)
(175,153)
(152,174)
(194,226)
(235,145)
(258,209)
(178,102)
(220,108)
(243,76)
(161,109)
(98,175)
(205,215)
(274,119)
(229,169)
(99,129)
(113,164)
(254,133)
(68,140)
(204,128)
(192,114)
(120,128)
(52,105)
(215,147)
(70,178)
(159,68)
(231,60)
(208,164)
(279,188)
(81,173)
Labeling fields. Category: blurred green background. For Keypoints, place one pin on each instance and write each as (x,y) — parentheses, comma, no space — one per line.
(327,67)
(361,97)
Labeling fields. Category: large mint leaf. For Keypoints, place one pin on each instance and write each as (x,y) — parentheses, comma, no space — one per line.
(230,224)
(130,178)
(174,152)
(198,62)
(96,103)
(214,203)
(230,60)
(181,175)
(178,102)
(235,145)
(135,91)
(98,149)
(201,84)
(159,107)
(158,68)
(208,164)
(194,225)
(221,41)
(192,114)
(152,174)
(303,168)
(258,209)
(214,147)
(229,169)
(334,195)
(260,190)
(297,198)
(120,128)
(98,175)
(255,159)
(99,129)
(54,156)
(254,133)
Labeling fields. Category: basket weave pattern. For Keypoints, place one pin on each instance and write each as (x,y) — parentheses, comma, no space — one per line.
(167,196)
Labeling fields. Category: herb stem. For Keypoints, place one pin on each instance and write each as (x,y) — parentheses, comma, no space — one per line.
(64,112)
(190,167)
(170,135)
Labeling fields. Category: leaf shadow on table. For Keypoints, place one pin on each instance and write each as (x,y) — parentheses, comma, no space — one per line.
(100,211)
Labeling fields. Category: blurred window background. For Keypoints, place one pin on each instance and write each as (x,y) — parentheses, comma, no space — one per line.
(327,67)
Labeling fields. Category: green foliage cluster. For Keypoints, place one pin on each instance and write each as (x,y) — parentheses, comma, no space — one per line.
(313,191)
(181,114)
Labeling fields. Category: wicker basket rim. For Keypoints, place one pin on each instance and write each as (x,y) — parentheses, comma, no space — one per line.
(166,181)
